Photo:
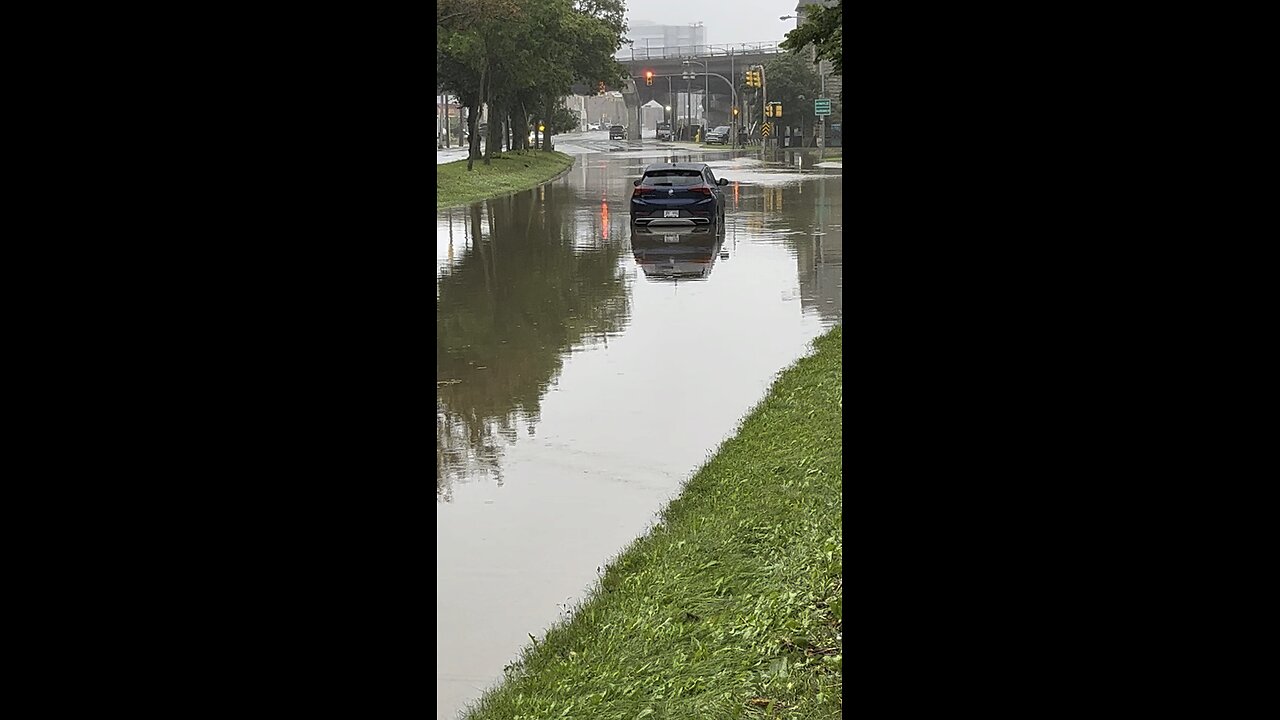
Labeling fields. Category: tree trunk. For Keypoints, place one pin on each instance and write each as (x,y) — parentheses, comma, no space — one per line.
(473,122)
(494,136)
(522,138)
(493,122)
(473,149)
(547,118)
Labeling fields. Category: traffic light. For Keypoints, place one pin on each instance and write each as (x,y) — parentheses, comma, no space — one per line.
(777,109)
(648,77)
(768,110)
(753,78)
(735,110)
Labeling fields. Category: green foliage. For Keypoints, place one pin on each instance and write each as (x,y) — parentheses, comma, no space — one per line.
(520,56)
(732,605)
(791,76)
(565,120)
(822,29)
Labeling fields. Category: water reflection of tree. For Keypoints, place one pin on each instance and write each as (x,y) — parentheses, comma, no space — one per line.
(517,299)
(815,209)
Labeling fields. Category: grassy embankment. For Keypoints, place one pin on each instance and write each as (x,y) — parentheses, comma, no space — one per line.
(731,605)
(509,172)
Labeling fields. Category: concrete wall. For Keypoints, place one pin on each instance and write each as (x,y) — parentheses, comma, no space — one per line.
(608,107)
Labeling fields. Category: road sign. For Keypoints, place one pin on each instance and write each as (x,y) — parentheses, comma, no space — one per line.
(822,106)
(765,129)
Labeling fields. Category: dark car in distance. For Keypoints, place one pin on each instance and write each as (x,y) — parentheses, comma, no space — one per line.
(664,131)
(677,194)
(718,136)
(617,132)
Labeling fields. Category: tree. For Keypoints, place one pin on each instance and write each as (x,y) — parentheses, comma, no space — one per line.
(519,57)
(821,30)
(566,120)
(793,82)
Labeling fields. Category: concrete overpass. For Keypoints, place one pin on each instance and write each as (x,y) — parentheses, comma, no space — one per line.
(716,66)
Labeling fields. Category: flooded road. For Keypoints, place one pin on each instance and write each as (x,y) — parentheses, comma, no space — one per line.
(586,370)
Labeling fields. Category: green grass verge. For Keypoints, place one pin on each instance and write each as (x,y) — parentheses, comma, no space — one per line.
(731,606)
(508,173)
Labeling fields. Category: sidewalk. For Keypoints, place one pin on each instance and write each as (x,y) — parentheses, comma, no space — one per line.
(448,155)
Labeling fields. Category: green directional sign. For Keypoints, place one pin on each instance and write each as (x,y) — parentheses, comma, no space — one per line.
(822,106)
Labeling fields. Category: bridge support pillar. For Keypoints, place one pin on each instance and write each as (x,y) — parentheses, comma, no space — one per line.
(631,99)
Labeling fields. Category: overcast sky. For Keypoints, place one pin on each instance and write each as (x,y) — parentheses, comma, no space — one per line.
(727,21)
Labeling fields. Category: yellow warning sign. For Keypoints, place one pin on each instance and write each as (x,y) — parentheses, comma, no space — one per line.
(765,129)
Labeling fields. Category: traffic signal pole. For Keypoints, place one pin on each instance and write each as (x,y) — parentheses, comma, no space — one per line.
(764,93)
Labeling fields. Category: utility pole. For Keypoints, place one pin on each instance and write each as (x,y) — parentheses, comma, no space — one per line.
(822,119)
(675,123)
(733,119)
(688,99)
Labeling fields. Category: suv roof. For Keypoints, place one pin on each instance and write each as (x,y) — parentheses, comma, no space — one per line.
(674,166)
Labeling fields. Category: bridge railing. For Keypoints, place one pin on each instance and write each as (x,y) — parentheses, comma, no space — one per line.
(676,52)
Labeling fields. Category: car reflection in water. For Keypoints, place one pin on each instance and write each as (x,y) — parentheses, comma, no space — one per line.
(676,252)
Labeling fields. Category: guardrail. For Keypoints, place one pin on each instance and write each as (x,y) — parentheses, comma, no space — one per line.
(698,51)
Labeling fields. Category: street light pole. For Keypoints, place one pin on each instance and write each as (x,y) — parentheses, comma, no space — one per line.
(687,75)
(822,119)
(688,104)
(675,124)
(688,98)
(733,119)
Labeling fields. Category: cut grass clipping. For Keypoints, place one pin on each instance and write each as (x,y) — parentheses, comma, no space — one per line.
(731,606)
(509,172)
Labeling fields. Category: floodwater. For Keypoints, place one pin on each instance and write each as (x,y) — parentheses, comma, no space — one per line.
(586,370)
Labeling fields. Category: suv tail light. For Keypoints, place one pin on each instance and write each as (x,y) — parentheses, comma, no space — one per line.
(704,189)
(642,191)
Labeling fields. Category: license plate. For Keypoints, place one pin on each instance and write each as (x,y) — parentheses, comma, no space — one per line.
(670,213)
(671,238)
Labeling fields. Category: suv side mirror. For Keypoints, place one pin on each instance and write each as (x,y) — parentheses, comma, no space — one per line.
(722,181)
(636,182)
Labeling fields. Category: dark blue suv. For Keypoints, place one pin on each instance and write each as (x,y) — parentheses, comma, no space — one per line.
(678,194)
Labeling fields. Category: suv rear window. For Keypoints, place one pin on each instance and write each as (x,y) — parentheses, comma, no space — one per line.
(616,127)
(673,177)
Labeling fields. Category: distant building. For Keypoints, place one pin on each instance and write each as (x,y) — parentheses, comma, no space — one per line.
(650,35)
